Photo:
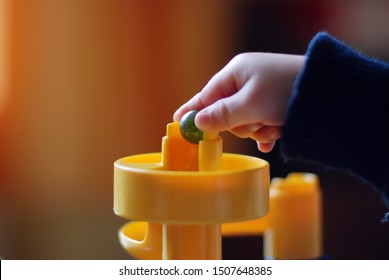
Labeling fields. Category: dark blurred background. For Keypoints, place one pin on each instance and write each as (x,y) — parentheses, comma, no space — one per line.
(85,82)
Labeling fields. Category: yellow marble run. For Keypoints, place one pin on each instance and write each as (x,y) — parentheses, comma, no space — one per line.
(180,203)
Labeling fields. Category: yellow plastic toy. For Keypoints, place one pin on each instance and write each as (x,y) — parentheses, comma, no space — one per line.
(178,199)
(292,228)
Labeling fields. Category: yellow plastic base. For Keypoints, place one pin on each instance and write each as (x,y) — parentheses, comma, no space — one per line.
(189,189)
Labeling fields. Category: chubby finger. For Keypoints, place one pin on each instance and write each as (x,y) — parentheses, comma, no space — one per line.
(266,147)
(267,134)
(229,112)
(194,103)
(221,85)
(246,131)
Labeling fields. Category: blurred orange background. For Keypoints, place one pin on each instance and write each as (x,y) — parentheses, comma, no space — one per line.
(83,83)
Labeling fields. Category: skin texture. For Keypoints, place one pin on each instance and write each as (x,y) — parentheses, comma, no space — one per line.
(248,97)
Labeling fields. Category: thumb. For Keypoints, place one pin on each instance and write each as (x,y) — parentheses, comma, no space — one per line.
(226,113)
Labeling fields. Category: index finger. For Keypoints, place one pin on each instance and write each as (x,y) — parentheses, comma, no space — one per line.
(219,86)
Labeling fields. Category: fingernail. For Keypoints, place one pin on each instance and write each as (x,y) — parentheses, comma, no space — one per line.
(175,117)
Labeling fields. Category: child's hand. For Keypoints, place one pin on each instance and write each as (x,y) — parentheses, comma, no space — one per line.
(248,97)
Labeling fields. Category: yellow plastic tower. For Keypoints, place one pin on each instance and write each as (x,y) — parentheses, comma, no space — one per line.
(293,227)
(184,194)
(295,218)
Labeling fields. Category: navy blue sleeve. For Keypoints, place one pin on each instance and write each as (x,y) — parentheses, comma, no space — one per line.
(338,115)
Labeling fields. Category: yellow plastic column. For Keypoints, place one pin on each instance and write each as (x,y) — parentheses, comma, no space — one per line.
(295,218)
(183,242)
(191,242)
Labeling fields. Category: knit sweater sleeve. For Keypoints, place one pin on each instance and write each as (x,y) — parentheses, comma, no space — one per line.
(338,115)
